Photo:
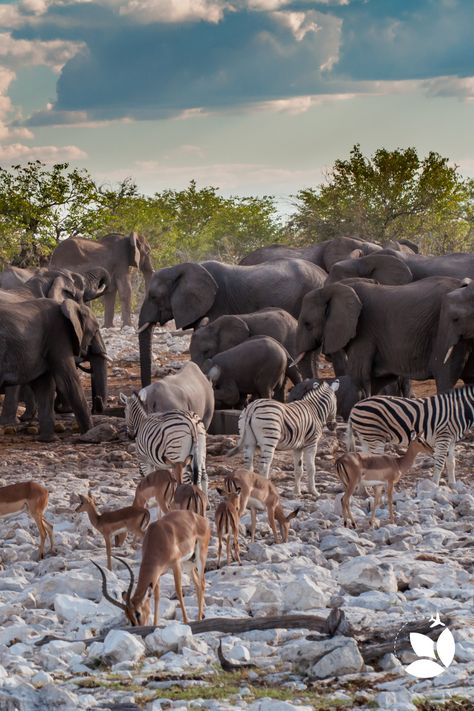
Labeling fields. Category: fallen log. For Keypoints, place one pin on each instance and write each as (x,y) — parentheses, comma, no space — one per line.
(334,623)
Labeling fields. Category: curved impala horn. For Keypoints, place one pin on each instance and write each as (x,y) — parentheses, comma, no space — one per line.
(144,327)
(105,592)
(132,577)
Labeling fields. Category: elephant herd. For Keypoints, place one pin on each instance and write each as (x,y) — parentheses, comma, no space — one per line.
(383,316)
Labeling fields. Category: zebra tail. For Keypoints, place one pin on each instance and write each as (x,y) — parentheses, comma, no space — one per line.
(240,443)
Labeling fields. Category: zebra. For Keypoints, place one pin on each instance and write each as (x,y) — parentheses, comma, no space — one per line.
(164,438)
(441,420)
(296,426)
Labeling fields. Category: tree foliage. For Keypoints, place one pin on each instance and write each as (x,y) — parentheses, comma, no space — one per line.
(391,196)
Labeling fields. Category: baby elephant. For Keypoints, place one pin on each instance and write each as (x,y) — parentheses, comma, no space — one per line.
(257,367)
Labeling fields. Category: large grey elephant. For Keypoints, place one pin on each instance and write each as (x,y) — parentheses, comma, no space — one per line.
(456,328)
(212,337)
(117,254)
(385,331)
(40,341)
(348,393)
(396,267)
(56,283)
(188,390)
(258,367)
(188,292)
(323,254)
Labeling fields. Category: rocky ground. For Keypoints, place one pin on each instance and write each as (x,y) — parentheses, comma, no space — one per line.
(386,581)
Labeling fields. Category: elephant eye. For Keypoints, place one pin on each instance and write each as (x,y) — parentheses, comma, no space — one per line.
(455,319)
(307,325)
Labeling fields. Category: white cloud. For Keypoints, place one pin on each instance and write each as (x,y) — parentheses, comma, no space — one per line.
(460,87)
(17,53)
(300,23)
(170,11)
(300,104)
(48,154)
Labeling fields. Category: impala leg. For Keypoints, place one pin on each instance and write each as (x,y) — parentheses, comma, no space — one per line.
(227,543)
(390,501)
(49,530)
(253,525)
(42,531)
(108,548)
(219,551)
(377,496)
(236,545)
(179,590)
(156,602)
(271,521)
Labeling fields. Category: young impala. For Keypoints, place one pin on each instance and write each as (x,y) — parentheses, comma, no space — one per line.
(32,497)
(176,538)
(227,524)
(118,523)
(160,485)
(258,494)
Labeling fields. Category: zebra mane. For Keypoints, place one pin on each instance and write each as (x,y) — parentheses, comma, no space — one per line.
(315,390)
(136,398)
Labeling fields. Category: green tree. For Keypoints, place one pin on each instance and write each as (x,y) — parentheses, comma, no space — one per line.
(390,196)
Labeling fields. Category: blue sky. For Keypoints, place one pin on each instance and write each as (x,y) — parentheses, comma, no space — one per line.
(253,96)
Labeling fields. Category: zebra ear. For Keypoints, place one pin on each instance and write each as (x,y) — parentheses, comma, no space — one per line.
(214,374)
(316,384)
(123,398)
(335,386)
(142,395)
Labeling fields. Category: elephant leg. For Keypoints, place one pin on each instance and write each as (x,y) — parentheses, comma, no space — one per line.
(109,306)
(125,293)
(10,405)
(43,389)
(70,387)
(28,398)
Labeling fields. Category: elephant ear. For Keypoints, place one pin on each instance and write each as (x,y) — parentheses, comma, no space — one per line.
(385,269)
(338,249)
(73,313)
(134,250)
(232,331)
(343,310)
(193,293)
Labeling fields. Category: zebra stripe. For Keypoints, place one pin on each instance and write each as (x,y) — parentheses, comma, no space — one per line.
(297,426)
(163,437)
(442,420)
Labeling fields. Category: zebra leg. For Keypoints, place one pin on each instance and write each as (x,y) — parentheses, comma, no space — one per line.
(451,464)
(441,452)
(266,459)
(298,470)
(249,453)
(309,455)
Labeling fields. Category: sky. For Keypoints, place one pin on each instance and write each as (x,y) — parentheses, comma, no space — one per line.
(252,96)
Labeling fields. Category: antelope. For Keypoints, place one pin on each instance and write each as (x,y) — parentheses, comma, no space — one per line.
(32,497)
(227,523)
(176,538)
(190,497)
(131,519)
(377,470)
(161,485)
(258,493)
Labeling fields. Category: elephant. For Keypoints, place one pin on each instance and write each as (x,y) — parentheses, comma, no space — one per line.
(348,393)
(385,331)
(188,390)
(257,367)
(213,337)
(56,283)
(188,292)
(116,253)
(457,319)
(323,254)
(396,267)
(40,341)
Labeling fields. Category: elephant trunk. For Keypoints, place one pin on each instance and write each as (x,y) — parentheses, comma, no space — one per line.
(97,283)
(98,383)
(145,340)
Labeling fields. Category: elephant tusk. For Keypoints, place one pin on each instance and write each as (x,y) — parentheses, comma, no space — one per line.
(299,358)
(107,358)
(144,327)
(448,354)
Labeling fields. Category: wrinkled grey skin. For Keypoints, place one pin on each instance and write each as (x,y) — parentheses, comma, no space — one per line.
(385,331)
(40,341)
(348,393)
(212,337)
(56,283)
(396,267)
(256,367)
(188,390)
(323,254)
(117,254)
(188,292)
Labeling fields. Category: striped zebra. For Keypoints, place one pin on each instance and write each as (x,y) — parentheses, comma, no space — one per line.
(297,426)
(162,438)
(441,420)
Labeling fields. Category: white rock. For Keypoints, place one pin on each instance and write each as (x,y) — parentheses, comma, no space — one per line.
(73,608)
(395,701)
(41,678)
(304,594)
(172,637)
(120,646)
(345,659)
(366,573)
(239,653)
(267,704)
